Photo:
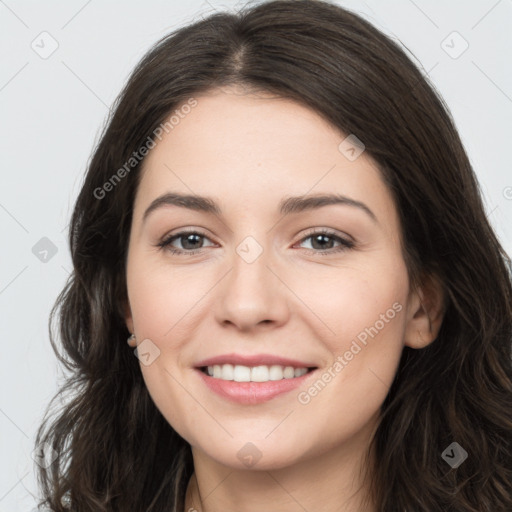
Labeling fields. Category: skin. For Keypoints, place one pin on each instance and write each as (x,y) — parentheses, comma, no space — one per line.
(249,151)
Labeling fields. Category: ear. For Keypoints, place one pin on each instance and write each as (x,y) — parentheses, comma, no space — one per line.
(426,308)
(127,314)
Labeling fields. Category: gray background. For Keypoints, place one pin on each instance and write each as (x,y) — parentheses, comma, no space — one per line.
(53,106)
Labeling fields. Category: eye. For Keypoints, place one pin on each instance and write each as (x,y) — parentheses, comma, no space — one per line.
(324,239)
(321,242)
(189,240)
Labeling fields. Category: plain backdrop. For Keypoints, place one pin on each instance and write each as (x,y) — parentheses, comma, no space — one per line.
(63,64)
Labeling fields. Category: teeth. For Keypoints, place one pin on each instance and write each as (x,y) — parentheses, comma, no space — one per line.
(240,373)
(259,374)
(275,372)
(289,372)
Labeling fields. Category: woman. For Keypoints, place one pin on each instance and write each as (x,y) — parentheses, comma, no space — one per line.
(281,220)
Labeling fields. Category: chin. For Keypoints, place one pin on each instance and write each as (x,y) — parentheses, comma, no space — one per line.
(241,453)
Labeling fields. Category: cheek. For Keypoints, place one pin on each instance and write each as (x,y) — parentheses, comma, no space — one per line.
(160,298)
(164,304)
(367,317)
(364,309)
(360,303)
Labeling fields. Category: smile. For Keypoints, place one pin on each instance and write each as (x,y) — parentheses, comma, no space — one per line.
(262,373)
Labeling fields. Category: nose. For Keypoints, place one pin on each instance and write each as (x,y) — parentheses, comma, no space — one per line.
(252,295)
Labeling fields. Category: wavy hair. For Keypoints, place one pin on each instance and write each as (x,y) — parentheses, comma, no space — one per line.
(114,450)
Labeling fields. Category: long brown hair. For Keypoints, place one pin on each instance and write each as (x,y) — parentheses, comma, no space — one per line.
(114,450)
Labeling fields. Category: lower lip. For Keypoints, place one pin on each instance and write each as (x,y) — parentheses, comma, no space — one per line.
(252,392)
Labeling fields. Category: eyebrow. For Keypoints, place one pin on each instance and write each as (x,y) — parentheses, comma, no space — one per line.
(289,205)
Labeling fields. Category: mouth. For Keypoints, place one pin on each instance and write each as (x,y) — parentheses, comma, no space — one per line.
(260,373)
(253,379)
(252,385)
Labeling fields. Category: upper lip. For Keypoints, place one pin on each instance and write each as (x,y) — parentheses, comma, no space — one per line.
(254,360)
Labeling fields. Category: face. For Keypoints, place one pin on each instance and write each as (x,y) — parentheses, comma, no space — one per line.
(261,280)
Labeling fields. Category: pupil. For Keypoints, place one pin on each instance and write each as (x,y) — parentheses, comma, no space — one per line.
(188,239)
(319,238)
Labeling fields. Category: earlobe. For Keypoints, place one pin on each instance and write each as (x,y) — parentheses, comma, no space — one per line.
(426,312)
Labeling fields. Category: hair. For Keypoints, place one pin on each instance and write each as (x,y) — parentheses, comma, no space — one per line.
(114,450)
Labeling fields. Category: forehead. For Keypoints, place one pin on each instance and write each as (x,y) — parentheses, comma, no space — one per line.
(254,148)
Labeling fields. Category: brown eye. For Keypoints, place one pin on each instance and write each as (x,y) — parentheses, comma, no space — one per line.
(322,242)
(190,242)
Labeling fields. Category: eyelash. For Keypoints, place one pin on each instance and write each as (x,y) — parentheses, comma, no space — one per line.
(345,244)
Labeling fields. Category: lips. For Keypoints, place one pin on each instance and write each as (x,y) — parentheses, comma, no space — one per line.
(254,360)
(252,393)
